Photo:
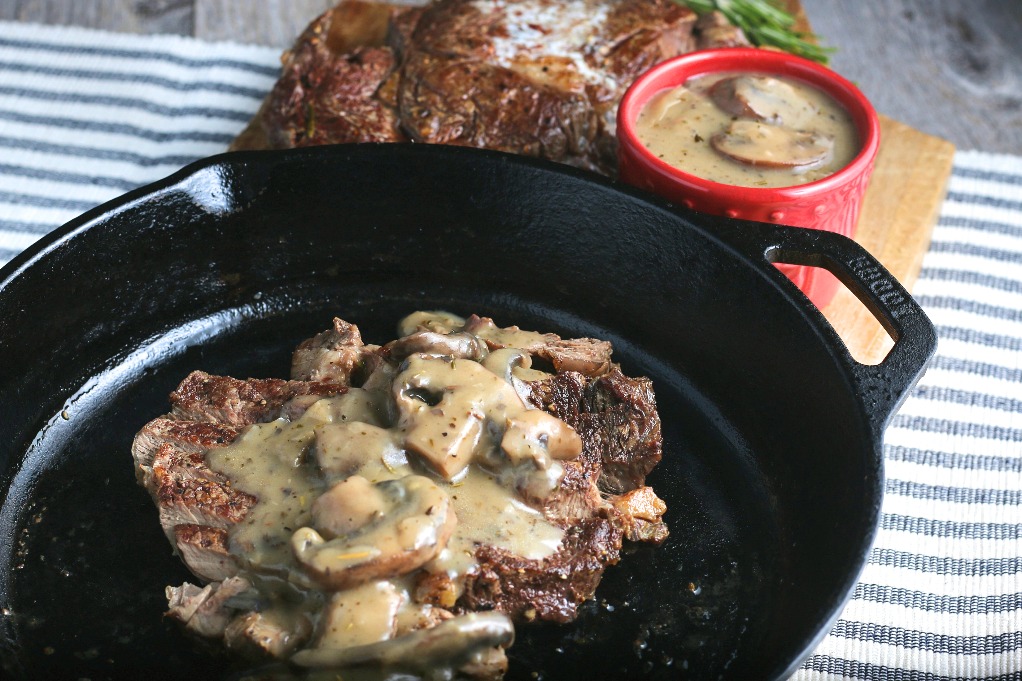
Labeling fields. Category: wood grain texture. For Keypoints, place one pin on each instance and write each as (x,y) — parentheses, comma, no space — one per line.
(949,68)
(128,16)
(897,219)
(265,22)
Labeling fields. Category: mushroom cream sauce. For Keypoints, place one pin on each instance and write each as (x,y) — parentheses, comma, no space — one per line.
(750,130)
(345,523)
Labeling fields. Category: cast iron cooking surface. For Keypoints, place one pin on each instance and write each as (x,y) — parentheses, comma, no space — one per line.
(643,610)
(771,470)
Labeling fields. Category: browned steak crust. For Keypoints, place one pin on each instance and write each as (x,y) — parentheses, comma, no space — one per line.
(188,492)
(196,503)
(617,419)
(205,551)
(471,72)
(548,589)
(186,436)
(234,402)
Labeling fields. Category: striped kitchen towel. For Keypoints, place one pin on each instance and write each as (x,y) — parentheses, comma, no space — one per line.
(941,596)
(86,115)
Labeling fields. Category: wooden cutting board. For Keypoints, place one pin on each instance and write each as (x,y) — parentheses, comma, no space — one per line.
(901,207)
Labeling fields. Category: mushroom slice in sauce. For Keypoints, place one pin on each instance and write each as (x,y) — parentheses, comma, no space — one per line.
(514,365)
(448,644)
(393,527)
(430,320)
(503,361)
(506,336)
(458,345)
(773,146)
(763,98)
(450,411)
(534,436)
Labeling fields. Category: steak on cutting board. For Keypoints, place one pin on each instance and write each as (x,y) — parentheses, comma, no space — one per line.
(535,77)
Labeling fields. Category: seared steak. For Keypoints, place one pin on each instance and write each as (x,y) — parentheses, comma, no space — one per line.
(345,471)
(227,401)
(535,77)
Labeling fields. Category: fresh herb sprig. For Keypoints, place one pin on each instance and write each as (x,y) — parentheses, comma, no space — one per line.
(765,24)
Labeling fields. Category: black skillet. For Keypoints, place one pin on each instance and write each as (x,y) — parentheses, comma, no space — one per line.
(772,433)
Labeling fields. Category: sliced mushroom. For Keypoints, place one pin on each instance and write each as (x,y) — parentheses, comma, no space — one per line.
(414,527)
(537,436)
(377,386)
(507,336)
(348,506)
(430,320)
(452,411)
(763,98)
(514,365)
(450,644)
(772,146)
(457,345)
(531,442)
(358,404)
(588,356)
(504,360)
(443,405)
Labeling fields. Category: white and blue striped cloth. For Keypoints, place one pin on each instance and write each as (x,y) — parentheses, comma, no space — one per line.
(86,115)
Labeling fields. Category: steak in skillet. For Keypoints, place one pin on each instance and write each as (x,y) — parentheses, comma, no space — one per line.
(535,77)
(598,499)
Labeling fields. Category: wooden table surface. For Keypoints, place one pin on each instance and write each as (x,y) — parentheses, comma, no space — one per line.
(949,68)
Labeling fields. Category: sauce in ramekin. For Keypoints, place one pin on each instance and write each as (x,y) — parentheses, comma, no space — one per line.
(749,130)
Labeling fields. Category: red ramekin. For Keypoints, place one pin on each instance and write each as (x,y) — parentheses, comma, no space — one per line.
(830,204)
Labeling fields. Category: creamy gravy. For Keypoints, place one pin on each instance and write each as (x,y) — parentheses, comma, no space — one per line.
(353,496)
(509,336)
(267,462)
(430,320)
(485,329)
(749,130)
(262,461)
(488,514)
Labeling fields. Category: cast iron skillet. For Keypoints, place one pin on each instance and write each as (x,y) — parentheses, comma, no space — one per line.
(772,433)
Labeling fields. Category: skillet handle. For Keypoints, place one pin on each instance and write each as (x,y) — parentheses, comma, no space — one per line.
(883,387)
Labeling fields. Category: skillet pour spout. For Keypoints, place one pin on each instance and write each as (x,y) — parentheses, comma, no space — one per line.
(772,469)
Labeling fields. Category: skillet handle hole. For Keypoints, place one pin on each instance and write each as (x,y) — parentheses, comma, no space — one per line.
(866,339)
